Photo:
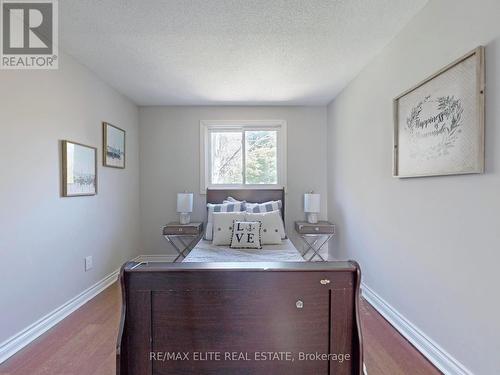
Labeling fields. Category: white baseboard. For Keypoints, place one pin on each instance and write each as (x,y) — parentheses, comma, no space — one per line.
(26,336)
(432,351)
(12,345)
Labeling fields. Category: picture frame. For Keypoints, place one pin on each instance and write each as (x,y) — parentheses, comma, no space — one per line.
(114,144)
(439,123)
(79,169)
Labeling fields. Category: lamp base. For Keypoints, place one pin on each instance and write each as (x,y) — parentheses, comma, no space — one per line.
(312,218)
(184,218)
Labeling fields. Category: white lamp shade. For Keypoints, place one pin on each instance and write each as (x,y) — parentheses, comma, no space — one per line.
(312,203)
(185,202)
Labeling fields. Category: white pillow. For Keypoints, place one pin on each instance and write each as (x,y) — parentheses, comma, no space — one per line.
(246,235)
(223,226)
(273,230)
(225,207)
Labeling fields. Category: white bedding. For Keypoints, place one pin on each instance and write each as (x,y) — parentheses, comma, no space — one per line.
(205,251)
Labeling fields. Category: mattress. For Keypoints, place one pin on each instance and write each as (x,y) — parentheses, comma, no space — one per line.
(205,251)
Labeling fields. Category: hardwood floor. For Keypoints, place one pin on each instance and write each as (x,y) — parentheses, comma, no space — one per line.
(84,344)
(386,352)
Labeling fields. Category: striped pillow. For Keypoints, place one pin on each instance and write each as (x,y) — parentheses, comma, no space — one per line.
(264,207)
(222,207)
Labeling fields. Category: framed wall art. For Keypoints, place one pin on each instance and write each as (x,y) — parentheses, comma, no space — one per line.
(79,169)
(113,146)
(439,124)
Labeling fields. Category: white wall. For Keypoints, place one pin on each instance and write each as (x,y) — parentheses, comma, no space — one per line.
(430,247)
(44,237)
(170,161)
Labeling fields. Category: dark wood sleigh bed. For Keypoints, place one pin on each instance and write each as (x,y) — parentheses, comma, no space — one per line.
(240,318)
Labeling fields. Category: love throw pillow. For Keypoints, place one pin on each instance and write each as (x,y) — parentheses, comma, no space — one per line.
(246,235)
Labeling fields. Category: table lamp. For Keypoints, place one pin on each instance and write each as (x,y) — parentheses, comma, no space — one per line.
(312,207)
(184,207)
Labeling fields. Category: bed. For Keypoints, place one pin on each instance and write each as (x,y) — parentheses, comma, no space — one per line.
(232,311)
(205,251)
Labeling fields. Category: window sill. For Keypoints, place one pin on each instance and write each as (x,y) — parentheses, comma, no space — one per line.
(243,187)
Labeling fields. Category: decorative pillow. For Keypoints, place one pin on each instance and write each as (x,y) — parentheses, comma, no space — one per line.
(246,235)
(223,207)
(223,226)
(264,207)
(273,230)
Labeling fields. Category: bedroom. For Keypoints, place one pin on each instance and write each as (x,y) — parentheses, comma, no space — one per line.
(320,77)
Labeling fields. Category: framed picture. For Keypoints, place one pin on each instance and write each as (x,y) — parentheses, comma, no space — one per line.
(79,169)
(113,146)
(439,124)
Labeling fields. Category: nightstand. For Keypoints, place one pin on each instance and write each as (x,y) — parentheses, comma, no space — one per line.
(183,237)
(315,236)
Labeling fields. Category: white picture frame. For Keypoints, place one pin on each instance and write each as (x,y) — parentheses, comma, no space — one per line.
(79,169)
(439,123)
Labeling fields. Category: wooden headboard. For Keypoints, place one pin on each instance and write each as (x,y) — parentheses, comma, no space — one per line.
(249,195)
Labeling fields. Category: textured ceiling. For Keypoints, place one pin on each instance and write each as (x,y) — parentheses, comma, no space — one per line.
(230,52)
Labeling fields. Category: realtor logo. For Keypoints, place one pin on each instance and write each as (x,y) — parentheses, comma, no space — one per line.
(29,34)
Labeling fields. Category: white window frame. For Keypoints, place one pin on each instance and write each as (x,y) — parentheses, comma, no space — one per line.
(207,126)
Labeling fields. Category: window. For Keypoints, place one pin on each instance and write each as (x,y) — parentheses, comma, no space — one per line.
(242,154)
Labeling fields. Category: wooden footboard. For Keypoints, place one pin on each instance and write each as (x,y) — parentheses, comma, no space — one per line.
(240,318)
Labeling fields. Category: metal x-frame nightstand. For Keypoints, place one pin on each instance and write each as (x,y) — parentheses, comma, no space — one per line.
(183,237)
(320,233)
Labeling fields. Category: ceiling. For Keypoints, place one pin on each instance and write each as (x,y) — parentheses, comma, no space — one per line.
(205,52)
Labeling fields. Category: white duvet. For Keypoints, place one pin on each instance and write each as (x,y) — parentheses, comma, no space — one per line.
(205,251)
